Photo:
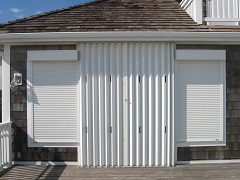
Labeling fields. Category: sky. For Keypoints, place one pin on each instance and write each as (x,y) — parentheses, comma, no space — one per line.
(17,9)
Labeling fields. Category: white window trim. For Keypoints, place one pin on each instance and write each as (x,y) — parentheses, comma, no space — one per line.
(53,55)
(204,55)
(42,55)
(200,55)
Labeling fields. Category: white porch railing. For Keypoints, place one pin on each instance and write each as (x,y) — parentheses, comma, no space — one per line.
(5,145)
(217,12)
(223,12)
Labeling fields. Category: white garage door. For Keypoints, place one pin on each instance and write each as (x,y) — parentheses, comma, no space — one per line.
(122,104)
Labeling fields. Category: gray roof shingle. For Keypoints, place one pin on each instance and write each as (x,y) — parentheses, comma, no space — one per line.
(109,15)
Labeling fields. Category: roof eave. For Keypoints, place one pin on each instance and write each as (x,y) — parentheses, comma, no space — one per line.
(164,36)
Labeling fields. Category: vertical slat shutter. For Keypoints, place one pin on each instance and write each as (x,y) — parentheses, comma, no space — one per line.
(54,102)
(121,112)
(199,101)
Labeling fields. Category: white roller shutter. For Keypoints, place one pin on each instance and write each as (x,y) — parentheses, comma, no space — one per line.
(200,100)
(53,103)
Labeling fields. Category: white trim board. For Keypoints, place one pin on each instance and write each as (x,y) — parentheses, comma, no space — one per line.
(199,55)
(52,163)
(201,143)
(208,162)
(210,19)
(52,55)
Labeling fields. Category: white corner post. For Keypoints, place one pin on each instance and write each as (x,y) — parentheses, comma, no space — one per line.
(6,84)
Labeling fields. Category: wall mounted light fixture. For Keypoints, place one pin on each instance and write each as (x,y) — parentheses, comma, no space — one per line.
(16,81)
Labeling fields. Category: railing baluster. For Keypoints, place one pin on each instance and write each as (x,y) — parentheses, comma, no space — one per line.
(5,145)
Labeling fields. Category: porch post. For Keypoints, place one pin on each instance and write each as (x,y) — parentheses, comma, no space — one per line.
(6,84)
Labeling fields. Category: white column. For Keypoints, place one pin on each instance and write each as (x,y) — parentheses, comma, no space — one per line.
(6,84)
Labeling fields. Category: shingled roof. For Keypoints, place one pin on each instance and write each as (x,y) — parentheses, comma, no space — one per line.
(109,15)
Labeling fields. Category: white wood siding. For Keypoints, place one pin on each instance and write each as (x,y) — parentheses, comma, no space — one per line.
(200,102)
(53,102)
(223,8)
(122,110)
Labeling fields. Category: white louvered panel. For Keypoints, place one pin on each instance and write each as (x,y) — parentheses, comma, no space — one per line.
(55,102)
(121,87)
(199,87)
(223,8)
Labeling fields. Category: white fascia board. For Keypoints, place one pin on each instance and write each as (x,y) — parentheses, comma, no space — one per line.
(121,36)
(188,54)
(210,19)
(53,55)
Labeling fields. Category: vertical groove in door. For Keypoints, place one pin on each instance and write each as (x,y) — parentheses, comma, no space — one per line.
(129,101)
(168,104)
(89,106)
(138,106)
(150,106)
(83,150)
(107,104)
(173,146)
(95,130)
(101,108)
(156,103)
(147,100)
(111,63)
(163,105)
(119,105)
(143,95)
(125,107)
